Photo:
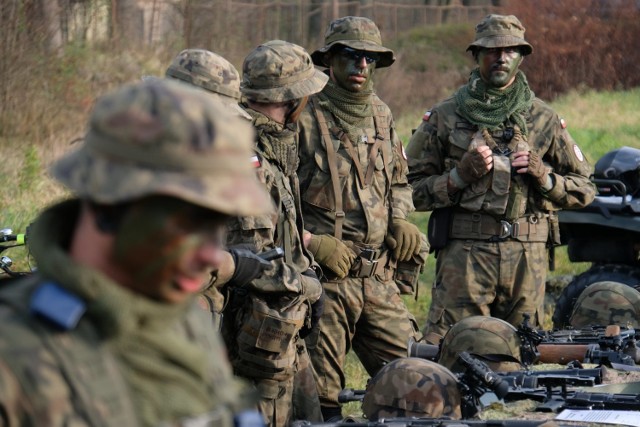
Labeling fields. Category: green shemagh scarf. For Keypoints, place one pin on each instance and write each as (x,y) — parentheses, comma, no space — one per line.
(489,107)
(165,371)
(351,109)
(276,141)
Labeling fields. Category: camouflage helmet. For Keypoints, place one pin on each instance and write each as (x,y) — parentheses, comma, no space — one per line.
(412,387)
(160,137)
(494,339)
(607,303)
(357,33)
(501,31)
(279,71)
(207,70)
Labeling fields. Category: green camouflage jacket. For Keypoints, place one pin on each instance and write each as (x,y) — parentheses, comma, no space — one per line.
(52,375)
(368,209)
(443,137)
(261,330)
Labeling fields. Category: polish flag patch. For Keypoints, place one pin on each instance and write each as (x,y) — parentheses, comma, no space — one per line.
(563,124)
(404,153)
(255,161)
(426,116)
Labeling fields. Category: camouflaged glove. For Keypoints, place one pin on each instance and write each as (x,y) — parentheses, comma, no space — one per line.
(472,166)
(537,169)
(331,253)
(404,239)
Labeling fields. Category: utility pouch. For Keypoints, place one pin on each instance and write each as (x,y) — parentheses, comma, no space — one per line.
(407,273)
(438,228)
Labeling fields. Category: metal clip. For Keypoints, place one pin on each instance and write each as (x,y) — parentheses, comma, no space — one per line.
(508,229)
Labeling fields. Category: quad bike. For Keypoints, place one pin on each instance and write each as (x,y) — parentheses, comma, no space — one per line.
(607,232)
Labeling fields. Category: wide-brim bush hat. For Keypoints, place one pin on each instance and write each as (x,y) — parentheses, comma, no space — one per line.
(501,31)
(357,33)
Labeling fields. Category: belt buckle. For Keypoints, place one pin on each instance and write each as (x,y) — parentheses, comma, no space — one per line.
(367,254)
(508,229)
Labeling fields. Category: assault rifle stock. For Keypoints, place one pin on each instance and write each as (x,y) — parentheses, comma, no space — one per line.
(601,345)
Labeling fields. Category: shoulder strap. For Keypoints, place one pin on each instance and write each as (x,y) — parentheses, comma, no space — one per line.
(333,168)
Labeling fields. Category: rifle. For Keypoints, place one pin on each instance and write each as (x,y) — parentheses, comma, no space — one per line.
(424,422)
(602,345)
(479,378)
(423,350)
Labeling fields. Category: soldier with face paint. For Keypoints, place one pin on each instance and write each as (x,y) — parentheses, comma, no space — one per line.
(106,333)
(495,164)
(355,202)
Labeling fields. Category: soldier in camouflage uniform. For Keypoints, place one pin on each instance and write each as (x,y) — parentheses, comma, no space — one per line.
(355,202)
(106,333)
(412,387)
(496,163)
(221,80)
(265,318)
(607,303)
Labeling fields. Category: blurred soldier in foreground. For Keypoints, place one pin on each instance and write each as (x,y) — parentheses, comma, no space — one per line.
(266,315)
(106,332)
(221,80)
(355,202)
(495,164)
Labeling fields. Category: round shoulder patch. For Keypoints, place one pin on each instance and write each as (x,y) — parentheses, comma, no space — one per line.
(404,153)
(578,153)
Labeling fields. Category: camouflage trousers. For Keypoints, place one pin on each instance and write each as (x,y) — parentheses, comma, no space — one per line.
(306,404)
(479,278)
(366,314)
(275,402)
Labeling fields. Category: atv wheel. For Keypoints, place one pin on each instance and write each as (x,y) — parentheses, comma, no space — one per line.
(625,274)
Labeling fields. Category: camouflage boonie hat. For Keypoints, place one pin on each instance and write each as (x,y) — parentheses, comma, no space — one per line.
(501,31)
(412,387)
(207,70)
(279,71)
(162,137)
(211,72)
(607,303)
(357,33)
(494,339)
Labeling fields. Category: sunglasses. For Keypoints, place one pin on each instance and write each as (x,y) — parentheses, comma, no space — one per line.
(357,55)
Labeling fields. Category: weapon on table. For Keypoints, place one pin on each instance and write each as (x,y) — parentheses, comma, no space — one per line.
(601,345)
(424,422)
(549,389)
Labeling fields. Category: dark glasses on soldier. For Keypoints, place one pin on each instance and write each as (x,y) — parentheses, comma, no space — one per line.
(357,55)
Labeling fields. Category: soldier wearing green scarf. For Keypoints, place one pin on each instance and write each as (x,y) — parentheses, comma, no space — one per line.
(107,332)
(494,164)
(355,202)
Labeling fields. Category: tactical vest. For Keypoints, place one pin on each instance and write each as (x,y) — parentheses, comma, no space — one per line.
(364,177)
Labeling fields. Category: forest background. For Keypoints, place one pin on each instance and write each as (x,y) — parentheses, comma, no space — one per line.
(58,55)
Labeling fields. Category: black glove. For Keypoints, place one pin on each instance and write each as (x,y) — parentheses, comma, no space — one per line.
(317,308)
(248,266)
